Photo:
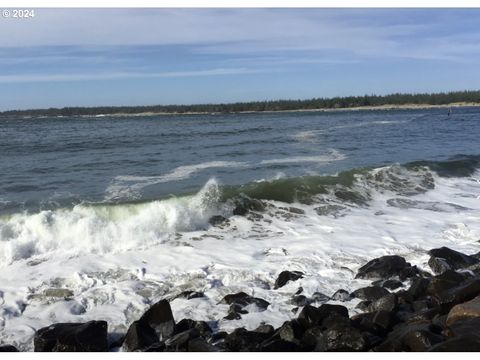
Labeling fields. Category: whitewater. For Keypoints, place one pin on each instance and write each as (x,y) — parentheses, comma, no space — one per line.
(109,246)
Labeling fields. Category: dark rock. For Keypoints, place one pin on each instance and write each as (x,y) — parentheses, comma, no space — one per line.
(341,295)
(418,287)
(319,297)
(299,291)
(265,329)
(179,342)
(139,336)
(438,265)
(467,326)
(383,321)
(370,293)
(382,268)
(453,259)
(278,345)
(243,340)
(90,336)
(155,347)
(296,210)
(440,321)
(239,301)
(422,315)
(467,290)
(310,337)
(200,345)
(420,305)
(160,318)
(285,276)
(311,316)
(8,348)
(467,310)
(341,338)
(363,305)
(418,336)
(464,343)
(217,220)
(388,302)
(392,284)
(244,204)
(447,280)
(300,300)
(188,324)
(290,331)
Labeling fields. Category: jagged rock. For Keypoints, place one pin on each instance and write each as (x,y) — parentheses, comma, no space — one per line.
(341,338)
(285,276)
(382,268)
(370,293)
(139,336)
(179,342)
(218,220)
(418,287)
(388,302)
(311,316)
(244,204)
(243,340)
(160,318)
(200,345)
(90,336)
(467,290)
(449,259)
(341,295)
(469,309)
(418,336)
(8,348)
(291,331)
(447,280)
(239,301)
(464,343)
(188,324)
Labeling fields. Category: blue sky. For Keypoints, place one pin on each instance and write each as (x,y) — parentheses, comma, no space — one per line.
(89,57)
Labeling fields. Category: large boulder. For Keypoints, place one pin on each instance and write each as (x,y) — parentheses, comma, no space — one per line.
(243,340)
(383,267)
(160,318)
(139,336)
(311,316)
(464,343)
(445,281)
(465,291)
(238,303)
(443,259)
(370,293)
(285,276)
(341,338)
(469,309)
(72,337)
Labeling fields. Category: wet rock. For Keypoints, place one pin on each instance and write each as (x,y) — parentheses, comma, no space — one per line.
(388,303)
(139,336)
(90,336)
(363,305)
(438,265)
(58,293)
(300,300)
(467,290)
(291,331)
(370,293)
(382,268)
(469,309)
(450,258)
(310,337)
(418,287)
(295,210)
(341,295)
(285,276)
(188,324)
(239,301)
(278,345)
(243,340)
(331,209)
(419,336)
(341,338)
(464,343)
(265,329)
(447,280)
(383,321)
(8,348)
(160,318)
(465,326)
(245,204)
(200,345)
(179,342)
(312,316)
(319,297)
(218,220)
(391,284)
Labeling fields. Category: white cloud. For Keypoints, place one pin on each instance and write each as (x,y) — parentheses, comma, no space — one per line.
(23,78)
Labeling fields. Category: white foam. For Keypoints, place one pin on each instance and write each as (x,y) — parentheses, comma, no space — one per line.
(334,155)
(117,280)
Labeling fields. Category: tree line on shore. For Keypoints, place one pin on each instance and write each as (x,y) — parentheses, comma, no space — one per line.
(443,98)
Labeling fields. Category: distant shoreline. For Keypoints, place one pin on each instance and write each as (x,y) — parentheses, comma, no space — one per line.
(356,108)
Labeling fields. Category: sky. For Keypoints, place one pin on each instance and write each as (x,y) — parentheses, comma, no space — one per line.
(94,57)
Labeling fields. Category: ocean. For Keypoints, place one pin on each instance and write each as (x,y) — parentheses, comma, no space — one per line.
(113,213)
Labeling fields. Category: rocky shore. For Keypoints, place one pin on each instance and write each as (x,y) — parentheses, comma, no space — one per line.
(438,311)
